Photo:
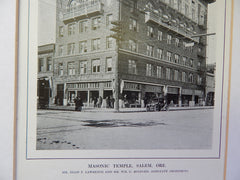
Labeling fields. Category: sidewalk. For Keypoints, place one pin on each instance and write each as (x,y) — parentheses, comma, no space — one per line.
(124,110)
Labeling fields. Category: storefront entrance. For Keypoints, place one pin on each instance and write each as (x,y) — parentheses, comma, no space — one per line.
(83,95)
(60,94)
(131,98)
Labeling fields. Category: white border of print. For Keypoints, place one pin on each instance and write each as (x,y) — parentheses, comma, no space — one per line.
(27,98)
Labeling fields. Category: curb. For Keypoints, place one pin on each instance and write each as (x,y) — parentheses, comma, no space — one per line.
(132,111)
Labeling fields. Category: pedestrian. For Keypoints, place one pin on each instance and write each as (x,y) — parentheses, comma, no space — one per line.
(107,102)
(112,100)
(95,101)
(99,103)
(145,100)
(78,103)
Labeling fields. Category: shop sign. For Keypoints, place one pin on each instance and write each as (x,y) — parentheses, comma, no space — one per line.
(83,85)
(131,86)
(198,93)
(150,88)
(187,91)
(173,90)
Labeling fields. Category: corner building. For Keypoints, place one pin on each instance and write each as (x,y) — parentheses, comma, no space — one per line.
(160,52)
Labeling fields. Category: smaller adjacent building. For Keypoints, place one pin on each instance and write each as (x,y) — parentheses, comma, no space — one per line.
(45,74)
(210,84)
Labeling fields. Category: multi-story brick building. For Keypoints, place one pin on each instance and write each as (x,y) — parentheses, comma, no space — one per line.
(159,53)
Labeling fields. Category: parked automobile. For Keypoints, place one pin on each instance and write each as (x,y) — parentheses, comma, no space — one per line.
(157,104)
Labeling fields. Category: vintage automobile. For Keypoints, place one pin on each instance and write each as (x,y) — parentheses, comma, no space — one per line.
(157,104)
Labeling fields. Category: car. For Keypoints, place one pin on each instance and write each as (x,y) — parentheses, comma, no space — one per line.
(157,104)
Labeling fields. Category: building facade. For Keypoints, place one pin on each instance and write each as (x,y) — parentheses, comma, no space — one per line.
(158,52)
(45,74)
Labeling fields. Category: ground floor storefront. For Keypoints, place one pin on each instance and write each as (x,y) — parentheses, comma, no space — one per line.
(132,94)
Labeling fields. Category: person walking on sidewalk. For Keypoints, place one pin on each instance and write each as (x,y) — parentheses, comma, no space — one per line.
(78,104)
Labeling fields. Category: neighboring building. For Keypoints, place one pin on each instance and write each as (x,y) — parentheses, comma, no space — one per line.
(45,74)
(156,55)
(210,84)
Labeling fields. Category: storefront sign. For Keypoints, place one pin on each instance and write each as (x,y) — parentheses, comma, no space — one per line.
(187,91)
(157,89)
(198,92)
(173,90)
(131,86)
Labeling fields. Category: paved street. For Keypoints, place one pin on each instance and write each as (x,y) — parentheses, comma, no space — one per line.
(186,129)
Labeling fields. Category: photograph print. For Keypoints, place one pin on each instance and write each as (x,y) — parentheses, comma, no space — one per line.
(126,74)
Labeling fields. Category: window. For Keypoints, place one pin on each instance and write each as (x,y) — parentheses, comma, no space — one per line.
(132,67)
(40,64)
(149,50)
(150,31)
(96,65)
(133,24)
(169,56)
(160,35)
(71,68)
(190,78)
(60,50)
(60,69)
(177,42)
(83,67)
(168,73)
(109,42)
(190,49)
(184,45)
(183,77)
(82,46)
(109,64)
(132,45)
(176,75)
(169,39)
(61,31)
(159,53)
(71,29)
(149,70)
(49,64)
(71,48)
(109,19)
(186,10)
(83,26)
(96,23)
(133,6)
(184,61)
(176,57)
(179,5)
(191,62)
(159,71)
(95,44)
(199,80)
(193,14)
(199,64)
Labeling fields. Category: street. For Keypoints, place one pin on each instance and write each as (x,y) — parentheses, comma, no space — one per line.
(186,129)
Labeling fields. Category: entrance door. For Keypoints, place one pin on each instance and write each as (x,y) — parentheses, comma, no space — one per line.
(107,93)
(94,95)
(83,95)
(60,94)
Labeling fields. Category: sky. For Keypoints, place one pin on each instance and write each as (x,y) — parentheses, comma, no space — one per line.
(46,21)
(47,26)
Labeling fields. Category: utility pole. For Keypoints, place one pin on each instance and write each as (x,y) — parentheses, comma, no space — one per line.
(118,36)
